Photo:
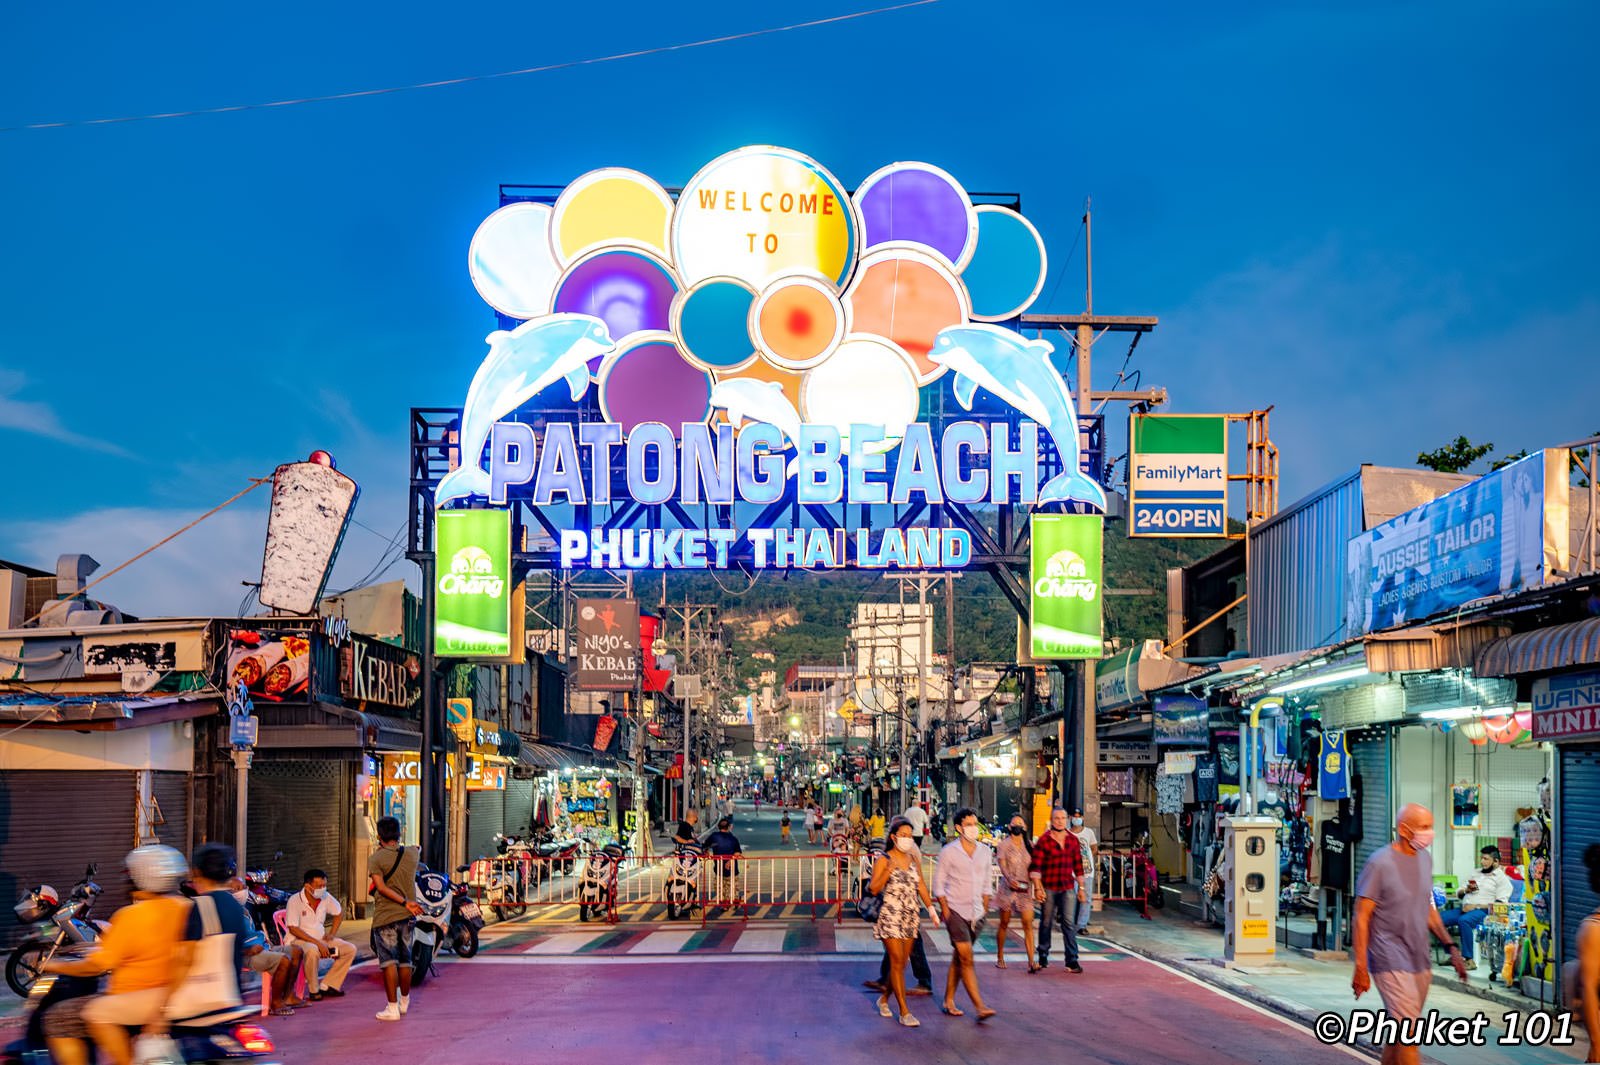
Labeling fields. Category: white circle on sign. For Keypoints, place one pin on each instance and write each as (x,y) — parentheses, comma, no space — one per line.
(867,381)
(510,260)
(586,613)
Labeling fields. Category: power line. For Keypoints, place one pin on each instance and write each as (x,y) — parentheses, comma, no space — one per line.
(468,79)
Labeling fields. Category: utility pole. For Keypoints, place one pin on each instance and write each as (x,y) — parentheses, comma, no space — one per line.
(688,613)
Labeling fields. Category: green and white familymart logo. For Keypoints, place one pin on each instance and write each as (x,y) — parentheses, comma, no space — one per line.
(1066,574)
(472,573)
(1065,579)
(472,612)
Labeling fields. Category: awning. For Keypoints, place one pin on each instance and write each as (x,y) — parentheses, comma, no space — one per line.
(544,756)
(1542,650)
(80,713)
(1425,648)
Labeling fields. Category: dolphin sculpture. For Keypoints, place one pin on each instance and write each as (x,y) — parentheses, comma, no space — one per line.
(520,364)
(1018,371)
(746,399)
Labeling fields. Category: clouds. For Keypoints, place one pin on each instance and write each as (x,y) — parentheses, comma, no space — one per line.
(40,418)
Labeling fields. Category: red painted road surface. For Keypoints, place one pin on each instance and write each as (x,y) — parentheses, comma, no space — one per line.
(801,1008)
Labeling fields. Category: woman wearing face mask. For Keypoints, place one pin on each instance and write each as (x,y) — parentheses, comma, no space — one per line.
(1015,894)
(897,877)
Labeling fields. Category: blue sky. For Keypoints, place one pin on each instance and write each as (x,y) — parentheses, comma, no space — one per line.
(1378,217)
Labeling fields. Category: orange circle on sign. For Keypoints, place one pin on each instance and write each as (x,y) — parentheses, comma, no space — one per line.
(907,296)
(762,370)
(798,321)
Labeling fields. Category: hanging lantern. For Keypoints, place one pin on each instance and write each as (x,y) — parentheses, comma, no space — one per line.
(1502,729)
(1474,730)
(1525,719)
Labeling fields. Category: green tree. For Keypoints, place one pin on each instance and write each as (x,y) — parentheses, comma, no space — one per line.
(1455,456)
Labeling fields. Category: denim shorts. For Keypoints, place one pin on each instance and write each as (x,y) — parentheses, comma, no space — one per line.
(392,943)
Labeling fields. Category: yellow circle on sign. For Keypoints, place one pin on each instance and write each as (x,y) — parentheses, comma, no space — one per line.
(610,206)
(761,213)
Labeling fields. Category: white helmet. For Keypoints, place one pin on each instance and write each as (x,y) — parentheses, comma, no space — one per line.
(157,869)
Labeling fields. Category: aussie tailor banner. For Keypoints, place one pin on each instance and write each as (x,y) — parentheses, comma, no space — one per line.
(1504,532)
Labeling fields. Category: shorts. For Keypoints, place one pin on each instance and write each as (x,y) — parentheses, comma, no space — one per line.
(961,930)
(1403,993)
(71,1019)
(264,961)
(392,943)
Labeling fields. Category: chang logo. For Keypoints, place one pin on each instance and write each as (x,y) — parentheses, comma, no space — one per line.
(1066,576)
(472,573)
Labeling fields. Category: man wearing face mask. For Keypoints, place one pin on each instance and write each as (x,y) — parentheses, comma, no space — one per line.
(1394,915)
(961,888)
(1089,845)
(1489,886)
(306,918)
(275,966)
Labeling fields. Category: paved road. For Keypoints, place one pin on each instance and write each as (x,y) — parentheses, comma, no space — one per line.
(714,1006)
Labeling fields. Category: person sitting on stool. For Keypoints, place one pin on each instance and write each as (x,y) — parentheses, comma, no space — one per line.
(1489,886)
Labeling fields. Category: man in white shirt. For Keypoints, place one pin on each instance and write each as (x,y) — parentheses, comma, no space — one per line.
(305,919)
(1489,886)
(1089,844)
(962,884)
(919,822)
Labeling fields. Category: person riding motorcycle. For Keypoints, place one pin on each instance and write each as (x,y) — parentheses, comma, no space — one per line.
(140,951)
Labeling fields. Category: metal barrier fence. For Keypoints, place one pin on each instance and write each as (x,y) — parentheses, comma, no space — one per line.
(824,885)
(1125,876)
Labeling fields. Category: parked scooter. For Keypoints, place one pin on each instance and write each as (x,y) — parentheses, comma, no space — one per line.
(597,890)
(558,854)
(62,924)
(448,919)
(683,880)
(234,1040)
(265,900)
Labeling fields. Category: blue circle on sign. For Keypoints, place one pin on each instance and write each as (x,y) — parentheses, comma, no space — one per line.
(711,322)
(1008,266)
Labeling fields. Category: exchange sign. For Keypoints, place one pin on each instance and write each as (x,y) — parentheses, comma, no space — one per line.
(1065,619)
(472,601)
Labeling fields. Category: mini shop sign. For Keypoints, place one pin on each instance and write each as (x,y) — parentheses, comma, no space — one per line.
(1566,706)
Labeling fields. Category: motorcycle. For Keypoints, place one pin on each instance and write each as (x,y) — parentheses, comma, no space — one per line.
(683,880)
(597,890)
(558,854)
(265,900)
(510,879)
(62,924)
(226,1041)
(449,918)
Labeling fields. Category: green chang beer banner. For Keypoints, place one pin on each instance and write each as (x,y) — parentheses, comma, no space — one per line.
(1066,586)
(472,599)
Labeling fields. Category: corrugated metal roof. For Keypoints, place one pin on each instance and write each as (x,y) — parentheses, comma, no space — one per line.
(1542,650)
(1429,647)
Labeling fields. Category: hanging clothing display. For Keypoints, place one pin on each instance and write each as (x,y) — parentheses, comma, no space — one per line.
(1333,766)
(1169,791)
(1205,779)
(1335,854)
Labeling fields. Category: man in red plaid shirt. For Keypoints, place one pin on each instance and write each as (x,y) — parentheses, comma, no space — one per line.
(1057,872)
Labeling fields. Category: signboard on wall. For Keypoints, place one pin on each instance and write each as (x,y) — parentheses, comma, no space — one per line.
(472,604)
(1125,752)
(1181,720)
(1178,475)
(1065,618)
(1504,532)
(608,645)
(1566,706)
(311,507)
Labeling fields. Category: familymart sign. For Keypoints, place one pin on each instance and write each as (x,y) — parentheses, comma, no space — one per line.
(1178,475)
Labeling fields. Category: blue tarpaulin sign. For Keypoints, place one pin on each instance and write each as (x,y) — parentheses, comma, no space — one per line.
(1181,720)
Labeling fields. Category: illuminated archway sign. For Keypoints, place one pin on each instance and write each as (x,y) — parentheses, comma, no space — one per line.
(772,328)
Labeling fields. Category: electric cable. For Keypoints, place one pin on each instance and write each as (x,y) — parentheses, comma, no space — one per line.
(470,78)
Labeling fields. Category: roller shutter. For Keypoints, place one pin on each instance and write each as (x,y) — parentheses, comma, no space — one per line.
(486,816)
(1369,755)
(519,806)
(1577,825)
(299,808)
(55,822)
(171,791)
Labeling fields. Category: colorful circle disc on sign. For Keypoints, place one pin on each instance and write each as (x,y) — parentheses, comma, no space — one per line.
(759,213)
(611,206)
(649,379)
(918,202)
(1008,268)
(907,295)
(712,323)
(628,289)
(798,321)
(867,382)
(510,260)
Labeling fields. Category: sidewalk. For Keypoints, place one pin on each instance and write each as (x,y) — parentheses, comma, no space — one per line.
(1302,988)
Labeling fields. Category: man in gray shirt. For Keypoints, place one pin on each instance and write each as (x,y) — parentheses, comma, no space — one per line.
(1394,914)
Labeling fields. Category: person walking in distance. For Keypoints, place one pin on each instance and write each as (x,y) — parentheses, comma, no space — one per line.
(392,871)
(1015,893)
(1394,914)
(1090,844)
(897,877)
(306,918)
(961,889)
(811,823)
(1057,875)
(917,816)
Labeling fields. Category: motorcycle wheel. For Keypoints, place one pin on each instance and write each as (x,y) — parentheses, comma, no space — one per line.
(22,968)
(674,911)
(464,940)
(513,907)
(1158,898)
(583,911)
(421,962)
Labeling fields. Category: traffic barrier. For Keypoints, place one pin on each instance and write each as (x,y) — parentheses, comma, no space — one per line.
(1123,876)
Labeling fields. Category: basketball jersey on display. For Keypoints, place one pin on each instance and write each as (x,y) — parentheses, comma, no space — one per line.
(1333,772)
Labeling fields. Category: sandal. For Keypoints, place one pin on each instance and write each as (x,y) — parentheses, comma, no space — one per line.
(984,1014)
(1000,963)
(951,1011)
(283,1011)
(910,1021)
(883,1006)
(1032,968)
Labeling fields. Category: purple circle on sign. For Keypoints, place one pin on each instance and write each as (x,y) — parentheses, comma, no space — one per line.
(631,291)
(918,203)
(653,382)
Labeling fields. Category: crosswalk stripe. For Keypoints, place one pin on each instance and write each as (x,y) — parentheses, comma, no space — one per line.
(857,939)
(565,942)
(670,941)
(760,941)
